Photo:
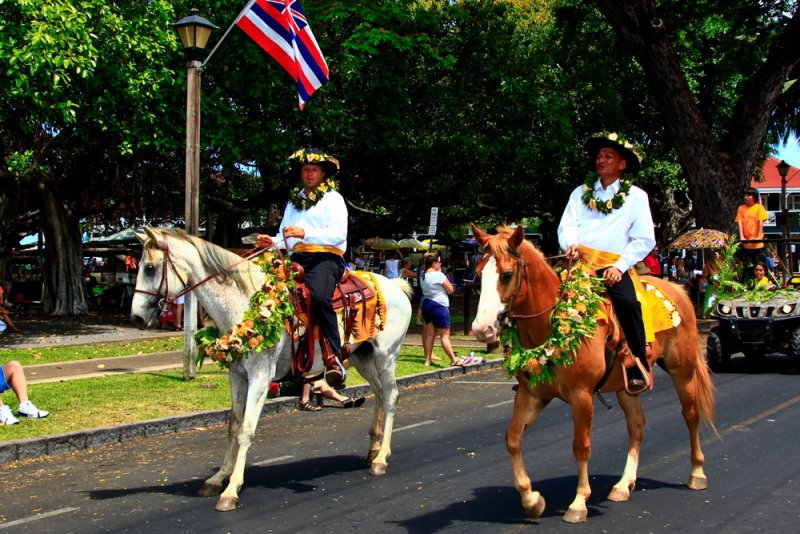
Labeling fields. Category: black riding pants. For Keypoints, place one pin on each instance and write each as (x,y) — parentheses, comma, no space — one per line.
(323,270)
(629,314)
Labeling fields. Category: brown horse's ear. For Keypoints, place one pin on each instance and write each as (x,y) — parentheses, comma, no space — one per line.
(517,237)
(481,237)
(155,236)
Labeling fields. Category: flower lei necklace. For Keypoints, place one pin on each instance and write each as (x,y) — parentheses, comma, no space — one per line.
(261,326)
(304,202)
(604,206)
(573,319)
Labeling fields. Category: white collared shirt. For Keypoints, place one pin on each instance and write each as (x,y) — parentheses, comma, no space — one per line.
(627,231)
(324,223)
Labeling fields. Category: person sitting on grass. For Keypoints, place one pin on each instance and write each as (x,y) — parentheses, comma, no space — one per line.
(12,377)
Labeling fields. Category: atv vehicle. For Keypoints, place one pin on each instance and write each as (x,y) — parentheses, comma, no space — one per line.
(770,324)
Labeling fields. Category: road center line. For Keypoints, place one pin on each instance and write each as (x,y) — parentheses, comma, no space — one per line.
(509,401)
(274,460)
(503,383)
(38,516)
(413,426)
(685,451)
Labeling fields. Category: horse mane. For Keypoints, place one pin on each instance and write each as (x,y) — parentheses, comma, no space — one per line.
(215,259)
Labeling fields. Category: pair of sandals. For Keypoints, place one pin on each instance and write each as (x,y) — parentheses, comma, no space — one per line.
(349,402)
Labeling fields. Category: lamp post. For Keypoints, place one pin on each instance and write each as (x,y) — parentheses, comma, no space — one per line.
(783,170)
(194,32)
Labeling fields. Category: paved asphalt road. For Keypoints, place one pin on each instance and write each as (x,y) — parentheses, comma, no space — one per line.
(449,471)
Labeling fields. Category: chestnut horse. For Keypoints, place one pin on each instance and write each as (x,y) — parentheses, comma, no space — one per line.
(516,278)
(224,284)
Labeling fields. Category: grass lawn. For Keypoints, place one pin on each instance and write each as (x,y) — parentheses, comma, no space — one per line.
(42,355)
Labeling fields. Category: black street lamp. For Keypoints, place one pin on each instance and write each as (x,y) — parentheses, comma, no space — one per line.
(194,31)
(783,170)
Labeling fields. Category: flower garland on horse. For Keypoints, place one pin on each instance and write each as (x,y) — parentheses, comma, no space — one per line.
(270,309)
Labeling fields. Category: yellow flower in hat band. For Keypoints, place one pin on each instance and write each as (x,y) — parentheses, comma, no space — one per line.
(306,155)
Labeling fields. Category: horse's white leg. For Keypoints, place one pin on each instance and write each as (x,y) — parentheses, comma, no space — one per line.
(634,417)
(376,429)
(256,396)
(213,486)
(389,395)
(526,409)
(582,414)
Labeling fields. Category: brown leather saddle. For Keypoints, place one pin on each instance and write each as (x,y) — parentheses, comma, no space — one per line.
(350,296)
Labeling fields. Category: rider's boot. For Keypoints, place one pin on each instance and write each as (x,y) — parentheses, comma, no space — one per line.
(335,375)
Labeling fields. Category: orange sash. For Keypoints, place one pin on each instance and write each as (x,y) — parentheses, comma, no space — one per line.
(600,259)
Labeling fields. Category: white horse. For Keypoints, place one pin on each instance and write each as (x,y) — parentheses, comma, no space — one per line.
(171,258)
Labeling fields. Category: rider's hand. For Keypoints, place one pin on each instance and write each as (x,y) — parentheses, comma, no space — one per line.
(263,241)
(612,276)
(294,231)
(572,252)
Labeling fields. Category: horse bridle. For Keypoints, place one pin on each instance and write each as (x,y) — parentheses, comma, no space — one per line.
(521,271)
(164,298)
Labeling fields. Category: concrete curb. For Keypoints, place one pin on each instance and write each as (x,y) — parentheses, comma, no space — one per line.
(96,437)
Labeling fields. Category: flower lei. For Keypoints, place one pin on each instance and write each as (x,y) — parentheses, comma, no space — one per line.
(573,319)
(261,326)
(604,206)
(304,202)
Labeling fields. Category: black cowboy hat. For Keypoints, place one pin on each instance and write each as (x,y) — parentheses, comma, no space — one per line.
(314,156)
(614,141)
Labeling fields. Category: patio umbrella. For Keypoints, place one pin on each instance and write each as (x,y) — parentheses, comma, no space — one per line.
(409,242)
(431,244)
(701,238)
(384,244)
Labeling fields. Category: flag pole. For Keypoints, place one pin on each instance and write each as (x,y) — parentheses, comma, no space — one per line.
(249,3)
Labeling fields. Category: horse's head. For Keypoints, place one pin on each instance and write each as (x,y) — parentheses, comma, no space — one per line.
(508,266)
(163,274)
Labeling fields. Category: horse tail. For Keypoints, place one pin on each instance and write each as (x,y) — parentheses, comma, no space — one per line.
(403,284)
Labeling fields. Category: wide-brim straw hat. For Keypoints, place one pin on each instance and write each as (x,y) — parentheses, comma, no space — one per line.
(314,156)
(616,142)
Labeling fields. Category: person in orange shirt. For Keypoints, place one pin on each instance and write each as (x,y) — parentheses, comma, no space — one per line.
(750,217)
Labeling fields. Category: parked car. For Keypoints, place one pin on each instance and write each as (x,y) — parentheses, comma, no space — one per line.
(770,323)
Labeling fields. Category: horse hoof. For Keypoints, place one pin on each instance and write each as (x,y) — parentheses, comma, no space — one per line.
(372,455)
(535,510)
(226,504)
(378,469)
(698,483)
(209,490)
(575,516)
(618,495)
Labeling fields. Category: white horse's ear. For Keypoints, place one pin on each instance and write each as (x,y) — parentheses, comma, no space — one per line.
(155,236)
(141,237)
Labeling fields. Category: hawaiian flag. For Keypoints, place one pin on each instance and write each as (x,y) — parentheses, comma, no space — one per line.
(281,29)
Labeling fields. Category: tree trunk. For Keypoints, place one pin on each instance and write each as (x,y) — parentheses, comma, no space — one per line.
(716,174)
(63,266)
